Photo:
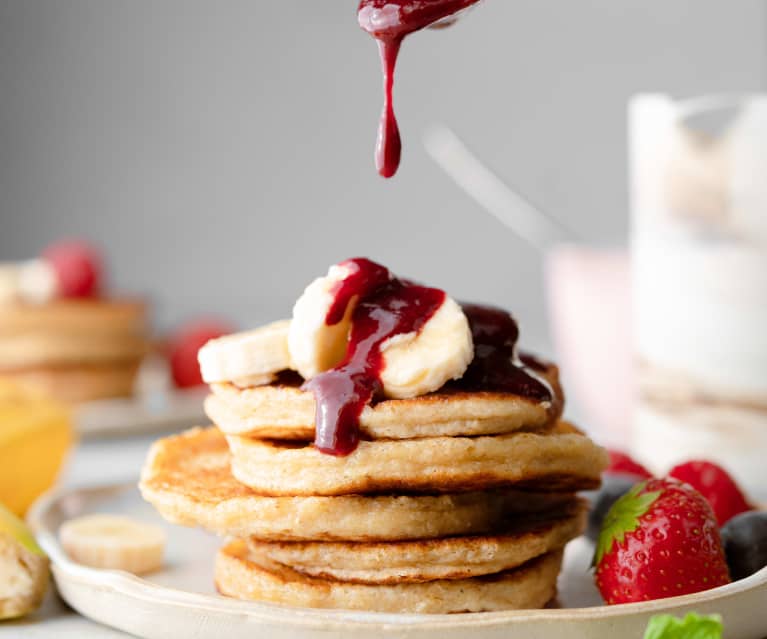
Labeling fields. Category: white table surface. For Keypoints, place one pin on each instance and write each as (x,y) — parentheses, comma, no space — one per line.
(93,462)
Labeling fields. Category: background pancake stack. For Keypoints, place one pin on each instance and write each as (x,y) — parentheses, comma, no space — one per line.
(74,350)
(454,501)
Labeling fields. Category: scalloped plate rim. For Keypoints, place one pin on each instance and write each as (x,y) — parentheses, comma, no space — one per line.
(137,588)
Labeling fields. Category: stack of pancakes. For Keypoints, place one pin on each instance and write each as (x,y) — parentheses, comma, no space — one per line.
(74,350)
(454,501)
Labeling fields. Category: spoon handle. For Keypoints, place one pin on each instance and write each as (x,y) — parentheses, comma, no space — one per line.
(486,188)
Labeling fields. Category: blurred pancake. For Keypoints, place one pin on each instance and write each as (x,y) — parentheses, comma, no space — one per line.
(560,459)
(80,383)
(187,478)
(74,350)
(283,411)
(94,316)
(40,349)
(242,573)
(428,560)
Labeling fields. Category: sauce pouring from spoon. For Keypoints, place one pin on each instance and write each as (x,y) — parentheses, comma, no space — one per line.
(389,22)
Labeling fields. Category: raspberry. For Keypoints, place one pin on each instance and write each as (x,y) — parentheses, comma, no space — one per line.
(78,268)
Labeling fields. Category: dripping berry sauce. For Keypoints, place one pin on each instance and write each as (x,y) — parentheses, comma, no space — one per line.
(496,365)
(387,306)
(389,21)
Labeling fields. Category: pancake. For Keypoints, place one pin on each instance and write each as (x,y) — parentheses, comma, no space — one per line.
(94,316)
(283,411)
(79,383)
(187,479)
(33,349)
(559,459)
(246,575)
(428,560)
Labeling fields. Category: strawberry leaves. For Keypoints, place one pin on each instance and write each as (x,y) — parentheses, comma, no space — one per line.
(623,518)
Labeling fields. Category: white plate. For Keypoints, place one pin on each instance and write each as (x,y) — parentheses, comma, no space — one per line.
(155,411)
(156,405)
(180,601)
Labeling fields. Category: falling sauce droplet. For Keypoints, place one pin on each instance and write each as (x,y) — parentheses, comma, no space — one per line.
(389,21)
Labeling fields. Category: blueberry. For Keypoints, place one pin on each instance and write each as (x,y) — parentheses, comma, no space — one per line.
(745,543)
(614,486)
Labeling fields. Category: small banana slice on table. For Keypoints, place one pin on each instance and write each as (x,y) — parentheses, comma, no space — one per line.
(113,542)
(249,358)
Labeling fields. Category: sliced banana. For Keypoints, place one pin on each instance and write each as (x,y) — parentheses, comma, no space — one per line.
(415,363)
(422,362)
(9,282)
(314,346)
(250,358)
(24,568)
(114,542)
(33,281)
(37,281)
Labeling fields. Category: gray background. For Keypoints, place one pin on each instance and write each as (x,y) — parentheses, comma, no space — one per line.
(221,151)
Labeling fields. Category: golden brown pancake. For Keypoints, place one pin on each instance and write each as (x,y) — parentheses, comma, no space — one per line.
(187,478)
(48,349)
(283,411)
(244,574)
(559,459)
(73,315)
(79,383)
(74,350)
(523,539)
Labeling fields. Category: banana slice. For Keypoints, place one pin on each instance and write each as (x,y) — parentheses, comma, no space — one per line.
(9,282)
(414,363)
(420,363)
(33,281)
(113,542)
(37,281)
(23,568)
(314,346)
(250,358)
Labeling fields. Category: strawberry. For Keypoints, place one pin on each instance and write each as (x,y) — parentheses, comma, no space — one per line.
(622,464)
(184,345)
(659,540)
(77,266)
(716,485)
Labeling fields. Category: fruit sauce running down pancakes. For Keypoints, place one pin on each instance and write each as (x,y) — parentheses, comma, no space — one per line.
(389,21)
(387,307)
(496,365)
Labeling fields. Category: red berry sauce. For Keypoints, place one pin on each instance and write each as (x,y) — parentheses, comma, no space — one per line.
(387,306)
(389,21)
(496,365)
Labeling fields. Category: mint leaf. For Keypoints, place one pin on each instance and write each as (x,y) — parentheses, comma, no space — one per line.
(691,627)
(623,518)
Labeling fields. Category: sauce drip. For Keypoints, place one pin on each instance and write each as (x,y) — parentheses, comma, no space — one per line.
(496,365)
(387,306)
(389,21)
